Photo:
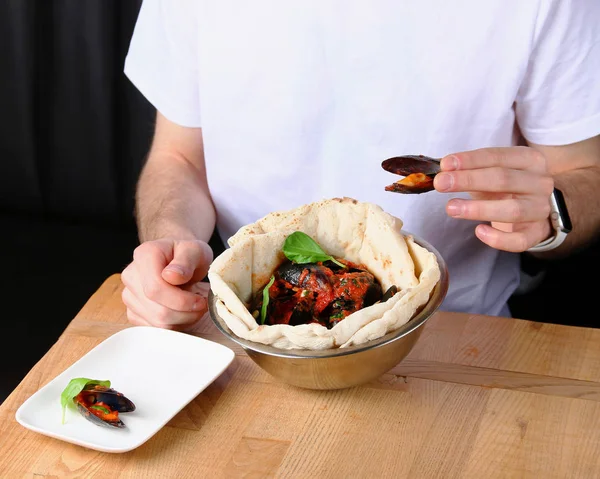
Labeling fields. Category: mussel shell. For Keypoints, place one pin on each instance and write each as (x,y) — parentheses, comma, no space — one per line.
(409,164)
(97,420)
(292,272)
(303,312)
(373,294)
(391,291)
(335,308)
(114,399)
(301,309)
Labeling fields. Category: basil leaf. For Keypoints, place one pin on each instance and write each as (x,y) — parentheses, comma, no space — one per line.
(263,309)
(301,248)
(74,387)
(101,408)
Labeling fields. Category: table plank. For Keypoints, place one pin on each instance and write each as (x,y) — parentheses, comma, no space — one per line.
(477,397)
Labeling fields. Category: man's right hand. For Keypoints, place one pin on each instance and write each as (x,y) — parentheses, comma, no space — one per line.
(159,283)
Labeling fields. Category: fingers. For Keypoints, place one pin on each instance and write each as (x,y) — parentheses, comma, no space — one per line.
(494,179)
(142,311)
(150,259)
(513,241)
(190,262)
(518,170)
(512,210)
(517,157)
(134,310)
(517,223)
(202,288)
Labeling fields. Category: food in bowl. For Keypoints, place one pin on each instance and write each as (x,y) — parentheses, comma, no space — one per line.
(358,232)
(311,286)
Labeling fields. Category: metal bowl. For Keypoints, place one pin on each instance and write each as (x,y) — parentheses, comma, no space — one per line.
(342,367)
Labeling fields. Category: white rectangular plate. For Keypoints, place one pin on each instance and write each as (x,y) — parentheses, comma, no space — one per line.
(160,370)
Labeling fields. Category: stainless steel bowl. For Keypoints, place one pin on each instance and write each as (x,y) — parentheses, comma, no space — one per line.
(346,367)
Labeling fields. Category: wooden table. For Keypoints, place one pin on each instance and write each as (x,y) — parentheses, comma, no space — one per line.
(478,397)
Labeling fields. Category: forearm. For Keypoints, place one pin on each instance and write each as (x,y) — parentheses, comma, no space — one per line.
(580,188)
(172,200)
(576,172)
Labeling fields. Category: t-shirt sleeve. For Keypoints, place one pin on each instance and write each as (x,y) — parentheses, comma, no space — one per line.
(558,102)
(162,60)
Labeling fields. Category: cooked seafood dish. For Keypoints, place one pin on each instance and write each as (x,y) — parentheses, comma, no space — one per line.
(329,274)
(323,293)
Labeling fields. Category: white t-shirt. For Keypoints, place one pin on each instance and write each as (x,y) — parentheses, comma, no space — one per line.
(300,101)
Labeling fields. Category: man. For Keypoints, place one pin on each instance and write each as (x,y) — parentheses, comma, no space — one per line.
(268,105)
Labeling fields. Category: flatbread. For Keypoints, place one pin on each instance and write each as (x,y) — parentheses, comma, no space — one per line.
(346,228)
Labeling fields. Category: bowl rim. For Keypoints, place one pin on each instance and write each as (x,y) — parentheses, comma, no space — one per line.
(436,298)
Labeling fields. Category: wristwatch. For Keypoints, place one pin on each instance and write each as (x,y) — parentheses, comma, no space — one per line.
(561,223)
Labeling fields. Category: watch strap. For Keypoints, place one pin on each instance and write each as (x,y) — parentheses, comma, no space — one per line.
(551,243)
(561,223)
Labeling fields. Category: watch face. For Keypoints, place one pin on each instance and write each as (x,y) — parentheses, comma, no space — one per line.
(562,210)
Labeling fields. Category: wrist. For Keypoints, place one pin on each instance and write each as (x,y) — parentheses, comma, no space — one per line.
(151,232)
(560,223)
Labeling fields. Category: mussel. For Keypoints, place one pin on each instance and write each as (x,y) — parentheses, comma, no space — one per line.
(303,309)
(102,405)
(310,276)
(354,290)
(288,307)
(302,291)
(418,170)
(391,291)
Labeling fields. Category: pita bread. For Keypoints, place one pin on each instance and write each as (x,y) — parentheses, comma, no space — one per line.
(345,228)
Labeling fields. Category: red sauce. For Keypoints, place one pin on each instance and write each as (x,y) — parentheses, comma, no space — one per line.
(319,293)
(97,408)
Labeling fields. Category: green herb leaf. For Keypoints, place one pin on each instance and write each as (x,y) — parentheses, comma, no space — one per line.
(263,310)
(101,408)
(301,248)
(74,387)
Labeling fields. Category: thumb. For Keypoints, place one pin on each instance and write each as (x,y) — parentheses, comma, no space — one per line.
(190,262)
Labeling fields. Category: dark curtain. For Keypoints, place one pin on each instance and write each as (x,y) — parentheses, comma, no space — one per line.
(74,134)
(74,130)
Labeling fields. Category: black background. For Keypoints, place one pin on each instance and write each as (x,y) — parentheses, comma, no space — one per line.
(73,137)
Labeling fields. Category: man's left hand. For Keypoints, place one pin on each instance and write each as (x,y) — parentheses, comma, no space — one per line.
(510,192)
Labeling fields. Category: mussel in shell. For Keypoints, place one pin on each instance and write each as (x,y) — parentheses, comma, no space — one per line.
(418,171)
(309,276)
(102,405)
